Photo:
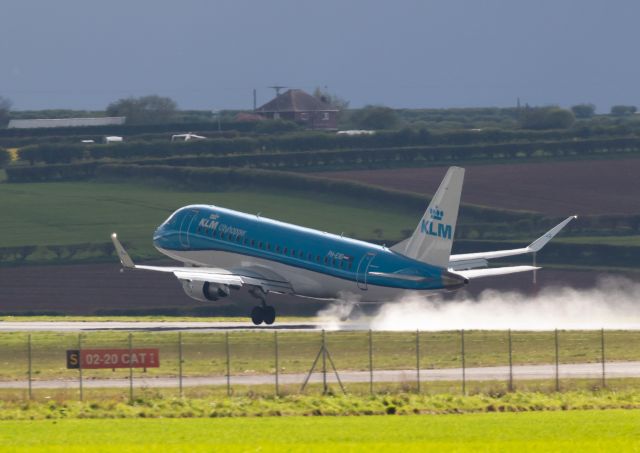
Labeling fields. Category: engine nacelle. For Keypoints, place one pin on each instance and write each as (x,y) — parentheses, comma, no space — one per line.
(204,291)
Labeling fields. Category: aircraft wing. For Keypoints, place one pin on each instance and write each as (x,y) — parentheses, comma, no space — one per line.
(474,260)
(207,274)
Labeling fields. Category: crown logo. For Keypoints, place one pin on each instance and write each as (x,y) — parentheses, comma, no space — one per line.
(436,213)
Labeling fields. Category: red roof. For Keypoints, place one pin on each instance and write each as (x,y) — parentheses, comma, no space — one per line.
(296,101)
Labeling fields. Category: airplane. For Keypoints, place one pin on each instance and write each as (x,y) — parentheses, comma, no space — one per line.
(223,250)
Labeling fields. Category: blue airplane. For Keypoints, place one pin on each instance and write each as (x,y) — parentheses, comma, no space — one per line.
(223,250)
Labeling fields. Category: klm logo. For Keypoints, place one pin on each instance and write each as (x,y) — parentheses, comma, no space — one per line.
(436,214)
(433,226)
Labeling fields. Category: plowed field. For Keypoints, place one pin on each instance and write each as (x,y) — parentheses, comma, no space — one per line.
(588,187)
(96,288)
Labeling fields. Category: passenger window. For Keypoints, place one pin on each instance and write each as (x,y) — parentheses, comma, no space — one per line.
(268,246)
(301,254)
(253,243)
(318,258)
(293,252)
(326,260)
(284,250)
(310,257)
(278,248)
(260,244)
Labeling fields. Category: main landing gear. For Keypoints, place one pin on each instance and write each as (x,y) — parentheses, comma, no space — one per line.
(263,312)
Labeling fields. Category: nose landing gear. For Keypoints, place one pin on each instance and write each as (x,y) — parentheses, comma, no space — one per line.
(263,312)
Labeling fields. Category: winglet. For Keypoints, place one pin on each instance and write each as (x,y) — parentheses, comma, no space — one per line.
(125,259)
(537,245)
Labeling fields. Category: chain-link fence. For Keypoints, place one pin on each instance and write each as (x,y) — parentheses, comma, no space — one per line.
(132,364)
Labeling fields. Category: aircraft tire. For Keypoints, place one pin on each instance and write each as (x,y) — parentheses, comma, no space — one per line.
(257,315)
(269,314)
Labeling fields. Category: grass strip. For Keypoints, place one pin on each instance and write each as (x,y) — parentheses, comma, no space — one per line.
(318,405)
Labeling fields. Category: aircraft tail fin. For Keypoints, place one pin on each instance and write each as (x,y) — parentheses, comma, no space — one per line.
(432,240)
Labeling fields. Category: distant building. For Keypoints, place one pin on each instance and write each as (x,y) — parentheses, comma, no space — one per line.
(301,107)
(248,117)
(66,122)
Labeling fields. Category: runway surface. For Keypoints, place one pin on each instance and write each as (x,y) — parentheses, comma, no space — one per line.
(520,372)
(156,326)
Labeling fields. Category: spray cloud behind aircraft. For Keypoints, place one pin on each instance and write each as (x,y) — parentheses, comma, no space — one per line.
(614,303)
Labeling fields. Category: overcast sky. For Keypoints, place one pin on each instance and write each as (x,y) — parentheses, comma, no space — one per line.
(83,54)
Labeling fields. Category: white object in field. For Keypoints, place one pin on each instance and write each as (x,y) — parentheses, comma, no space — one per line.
(355,132)
(112,139)
(186,137)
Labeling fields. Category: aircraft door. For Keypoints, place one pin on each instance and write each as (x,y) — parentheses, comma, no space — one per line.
(363,268)
(185,226)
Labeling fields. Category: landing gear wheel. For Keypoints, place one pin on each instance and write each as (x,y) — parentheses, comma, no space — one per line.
(257,315)
(269,314)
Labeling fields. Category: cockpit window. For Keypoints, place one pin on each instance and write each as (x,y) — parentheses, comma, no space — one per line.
(172,221)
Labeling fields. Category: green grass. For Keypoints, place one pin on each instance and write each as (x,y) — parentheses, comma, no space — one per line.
(70,213)
(157,404)
(252,352)
(613,430)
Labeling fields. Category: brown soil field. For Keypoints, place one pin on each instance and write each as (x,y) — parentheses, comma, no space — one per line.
(89,289)
(586,187)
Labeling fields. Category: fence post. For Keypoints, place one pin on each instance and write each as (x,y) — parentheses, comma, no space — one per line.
(464,377)
(275,340)
(80,364)
(30,365)
(604,382)
(180,362)
(130,369)
(557,362)
(370,362)
(418,358)
(324,364)
(226,346)
(510,363)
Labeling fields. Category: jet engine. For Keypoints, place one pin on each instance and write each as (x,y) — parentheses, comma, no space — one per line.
(204,291)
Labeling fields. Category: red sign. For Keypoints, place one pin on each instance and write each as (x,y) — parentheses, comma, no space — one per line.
(113,358)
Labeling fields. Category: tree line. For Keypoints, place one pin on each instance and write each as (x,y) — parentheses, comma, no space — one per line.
(67,152)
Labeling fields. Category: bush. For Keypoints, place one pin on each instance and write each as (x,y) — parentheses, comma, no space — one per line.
(376,157)
(623,110)
(5,158)
(583,110)
(547,118)
(58,172)
(375,117)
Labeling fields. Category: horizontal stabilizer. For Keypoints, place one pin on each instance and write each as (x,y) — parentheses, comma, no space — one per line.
(479,273)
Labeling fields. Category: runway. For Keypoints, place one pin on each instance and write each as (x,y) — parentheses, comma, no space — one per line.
(520,372)
(155,326)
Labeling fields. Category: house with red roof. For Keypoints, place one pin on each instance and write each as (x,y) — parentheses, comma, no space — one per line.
(301,107)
